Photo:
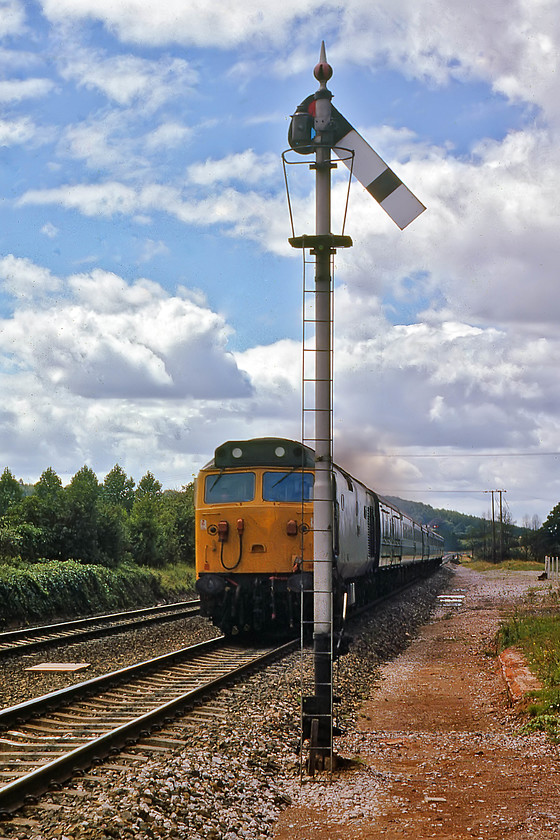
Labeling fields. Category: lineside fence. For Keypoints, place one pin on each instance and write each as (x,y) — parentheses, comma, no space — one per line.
(552,568)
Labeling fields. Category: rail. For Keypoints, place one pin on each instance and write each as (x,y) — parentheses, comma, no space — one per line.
(54,745)
(33,638)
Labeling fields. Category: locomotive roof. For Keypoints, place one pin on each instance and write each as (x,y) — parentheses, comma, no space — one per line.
(262,452)
(279,452)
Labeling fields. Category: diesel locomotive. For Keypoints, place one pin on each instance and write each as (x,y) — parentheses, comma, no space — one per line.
(254,538)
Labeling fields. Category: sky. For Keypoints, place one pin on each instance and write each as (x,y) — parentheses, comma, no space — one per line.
(150,304)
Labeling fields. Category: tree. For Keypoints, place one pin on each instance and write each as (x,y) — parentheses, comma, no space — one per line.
(146,533)
(529,540)
(148,486)
(10,491)
(43,515)
(80,536)
(49,486)
(118,488)
(112,532)
(177,518)
(549,533)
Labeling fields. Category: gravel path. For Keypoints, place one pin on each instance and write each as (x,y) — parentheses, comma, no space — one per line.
(437,745)
(235,774)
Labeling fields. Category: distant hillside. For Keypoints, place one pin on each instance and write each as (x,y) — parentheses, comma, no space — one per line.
(455,527)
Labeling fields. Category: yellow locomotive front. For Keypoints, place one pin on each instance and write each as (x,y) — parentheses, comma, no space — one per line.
(253,543)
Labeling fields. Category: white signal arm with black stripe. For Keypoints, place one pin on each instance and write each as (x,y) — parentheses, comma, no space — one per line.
(350,147)
(373,173)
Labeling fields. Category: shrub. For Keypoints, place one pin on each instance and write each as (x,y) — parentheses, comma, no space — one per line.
(50,589)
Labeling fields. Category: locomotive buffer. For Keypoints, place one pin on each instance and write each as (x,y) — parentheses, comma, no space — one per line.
(318,128)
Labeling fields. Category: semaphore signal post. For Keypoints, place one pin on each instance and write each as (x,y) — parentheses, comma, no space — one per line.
(318,128)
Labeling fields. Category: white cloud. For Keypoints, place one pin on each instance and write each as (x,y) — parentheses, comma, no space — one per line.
(115,371)
(104,199)
(12,17)
(123,137)
(117,142)
(21,278)
(129,79)
(275,373)
(199,22)
(244,214)
(167,136)
(17,132)
(247,167)
(111,339)
(153,249)
(510,44)
(410,400)
(50,230)
(487,247)
(105,143)
(16,90)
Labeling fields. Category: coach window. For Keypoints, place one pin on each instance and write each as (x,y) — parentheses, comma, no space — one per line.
(229,487)
(287,486)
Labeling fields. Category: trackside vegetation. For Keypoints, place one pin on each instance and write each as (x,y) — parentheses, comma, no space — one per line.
(43,590)
(535,629)
(92,546)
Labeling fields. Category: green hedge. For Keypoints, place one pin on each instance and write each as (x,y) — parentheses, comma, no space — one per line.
(53,589)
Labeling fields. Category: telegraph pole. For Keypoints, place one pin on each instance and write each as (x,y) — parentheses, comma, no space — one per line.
(501,557)
(493,530)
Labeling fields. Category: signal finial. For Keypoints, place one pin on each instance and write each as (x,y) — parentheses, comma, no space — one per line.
(323,71)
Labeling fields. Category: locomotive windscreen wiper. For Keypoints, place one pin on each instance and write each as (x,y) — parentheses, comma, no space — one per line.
(218,477)
(280,480)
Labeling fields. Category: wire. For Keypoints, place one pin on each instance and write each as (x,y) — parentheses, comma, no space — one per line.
(461,454)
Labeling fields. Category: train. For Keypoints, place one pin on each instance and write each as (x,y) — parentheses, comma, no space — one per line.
(254,538)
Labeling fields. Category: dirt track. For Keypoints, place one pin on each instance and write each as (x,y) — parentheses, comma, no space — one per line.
(438,749)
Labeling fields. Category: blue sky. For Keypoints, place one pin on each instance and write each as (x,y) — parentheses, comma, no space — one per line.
(150,302)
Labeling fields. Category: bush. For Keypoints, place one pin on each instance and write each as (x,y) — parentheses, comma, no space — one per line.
(51,589)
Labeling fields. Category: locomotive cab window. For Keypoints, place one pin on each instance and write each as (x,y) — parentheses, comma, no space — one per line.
(287,486)
(229,487)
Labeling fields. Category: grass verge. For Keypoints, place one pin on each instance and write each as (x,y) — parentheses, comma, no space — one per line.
(177,581)
(535,629)
(507,565)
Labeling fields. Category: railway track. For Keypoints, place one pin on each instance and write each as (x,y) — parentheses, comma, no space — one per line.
(34,638)
(45,741)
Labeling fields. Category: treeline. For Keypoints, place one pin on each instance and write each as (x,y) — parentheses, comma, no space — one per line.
(92,522)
